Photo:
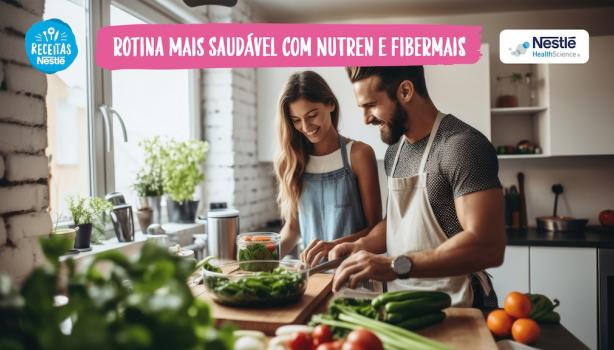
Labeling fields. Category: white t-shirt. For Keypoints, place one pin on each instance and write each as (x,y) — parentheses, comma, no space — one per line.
(328,162)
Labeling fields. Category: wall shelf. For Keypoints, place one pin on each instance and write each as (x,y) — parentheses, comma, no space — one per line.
(517,110)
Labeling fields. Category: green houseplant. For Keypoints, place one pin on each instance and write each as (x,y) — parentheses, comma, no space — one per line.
(149,183)
(142,304)
(88,213)
(182,174)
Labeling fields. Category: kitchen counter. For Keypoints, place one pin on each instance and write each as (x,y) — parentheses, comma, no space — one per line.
(592,237)
(552,336)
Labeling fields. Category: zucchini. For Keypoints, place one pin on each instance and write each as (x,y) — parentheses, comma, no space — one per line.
(421,306)
(422,321)
(402,295)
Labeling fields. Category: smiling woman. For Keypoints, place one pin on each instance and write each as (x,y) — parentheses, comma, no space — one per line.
(328,187)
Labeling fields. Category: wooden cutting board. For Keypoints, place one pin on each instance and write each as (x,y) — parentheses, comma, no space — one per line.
(463,328)
(268,320)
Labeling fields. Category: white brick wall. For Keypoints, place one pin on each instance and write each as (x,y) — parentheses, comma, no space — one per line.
(2,232)
(16,18)
(233,172)
(21,109)
(23,167)
(19,138)
(28,226)
(24,192)
(25,79)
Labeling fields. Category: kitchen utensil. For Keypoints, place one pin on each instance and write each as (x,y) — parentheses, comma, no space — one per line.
(222,231)
(331,264)
(116,198)
(238,286)
(268,319)
(559,223)
(523,202)
(123,222)
(515,207)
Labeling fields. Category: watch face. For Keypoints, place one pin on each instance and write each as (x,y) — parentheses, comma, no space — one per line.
(402,265)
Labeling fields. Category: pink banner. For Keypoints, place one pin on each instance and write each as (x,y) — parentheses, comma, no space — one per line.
(225,45)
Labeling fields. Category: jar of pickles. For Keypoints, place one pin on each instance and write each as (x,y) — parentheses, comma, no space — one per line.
(258,246)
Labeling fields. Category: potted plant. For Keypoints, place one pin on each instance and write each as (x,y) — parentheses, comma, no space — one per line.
(134,304)
(149,184)
(88,213)
(182,174)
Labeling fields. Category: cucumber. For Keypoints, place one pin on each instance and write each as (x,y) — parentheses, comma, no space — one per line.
(395,318)
(422,321)
(402,295)
(420,306)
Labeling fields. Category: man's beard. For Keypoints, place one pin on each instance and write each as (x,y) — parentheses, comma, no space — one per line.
(391,133)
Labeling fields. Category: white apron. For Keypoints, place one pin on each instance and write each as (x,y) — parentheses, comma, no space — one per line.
(411,226)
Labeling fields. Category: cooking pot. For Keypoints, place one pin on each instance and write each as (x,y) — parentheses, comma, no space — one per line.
(559,223)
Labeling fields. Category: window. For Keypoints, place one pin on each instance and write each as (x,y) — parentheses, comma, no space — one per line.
(67,120)
(151,102)
(85,157)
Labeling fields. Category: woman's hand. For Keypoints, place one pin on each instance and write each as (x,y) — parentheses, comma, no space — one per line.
(316,251)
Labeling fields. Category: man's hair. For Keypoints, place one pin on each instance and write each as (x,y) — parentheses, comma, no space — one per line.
(391,78)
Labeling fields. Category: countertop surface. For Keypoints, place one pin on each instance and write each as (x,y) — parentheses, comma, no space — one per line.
(592,237)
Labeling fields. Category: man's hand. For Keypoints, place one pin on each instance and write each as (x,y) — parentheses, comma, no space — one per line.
(342,250)
(316,251)
(363,265)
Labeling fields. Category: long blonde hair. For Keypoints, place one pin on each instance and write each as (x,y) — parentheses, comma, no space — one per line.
(294,147)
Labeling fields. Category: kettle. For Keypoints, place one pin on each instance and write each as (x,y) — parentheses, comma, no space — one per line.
(122,217)
(222,232)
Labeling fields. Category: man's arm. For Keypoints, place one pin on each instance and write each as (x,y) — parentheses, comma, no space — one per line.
(480,245)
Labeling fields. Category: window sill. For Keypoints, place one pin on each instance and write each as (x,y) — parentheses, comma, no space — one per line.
(177,234)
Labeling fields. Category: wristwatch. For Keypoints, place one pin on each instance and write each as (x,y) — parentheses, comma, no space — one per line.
(401,265)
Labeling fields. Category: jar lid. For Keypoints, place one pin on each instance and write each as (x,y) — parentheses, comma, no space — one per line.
(223,213)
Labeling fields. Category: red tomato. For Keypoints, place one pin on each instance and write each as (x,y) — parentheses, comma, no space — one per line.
(606,217)
(348,345)
(335,345)
(271,247)
(321,334)
(301,341)
(365,339)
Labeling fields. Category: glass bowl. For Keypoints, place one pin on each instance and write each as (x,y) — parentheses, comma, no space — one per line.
(258,246)
(237,284)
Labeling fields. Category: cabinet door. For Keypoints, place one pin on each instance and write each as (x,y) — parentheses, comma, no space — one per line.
(513,274)
(570,275)
(581,103)
(463,90)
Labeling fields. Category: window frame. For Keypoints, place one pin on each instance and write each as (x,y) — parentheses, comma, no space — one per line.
(99,88)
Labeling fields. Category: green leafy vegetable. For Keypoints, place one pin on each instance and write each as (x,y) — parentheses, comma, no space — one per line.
(277,287)
(257,251)
(145,304)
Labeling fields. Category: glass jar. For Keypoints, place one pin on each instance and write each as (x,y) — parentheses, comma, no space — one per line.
(258,246)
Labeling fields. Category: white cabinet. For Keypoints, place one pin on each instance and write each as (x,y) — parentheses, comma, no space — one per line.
(513,274)
(582,103)
(462,90)
(569,275)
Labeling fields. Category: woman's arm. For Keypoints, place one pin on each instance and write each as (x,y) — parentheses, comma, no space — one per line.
(289,237)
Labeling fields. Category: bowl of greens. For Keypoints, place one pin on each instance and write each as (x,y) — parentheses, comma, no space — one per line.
(258,246)
(278,283)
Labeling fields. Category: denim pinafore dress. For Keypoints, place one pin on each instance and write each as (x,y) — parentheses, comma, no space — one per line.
(330,206)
